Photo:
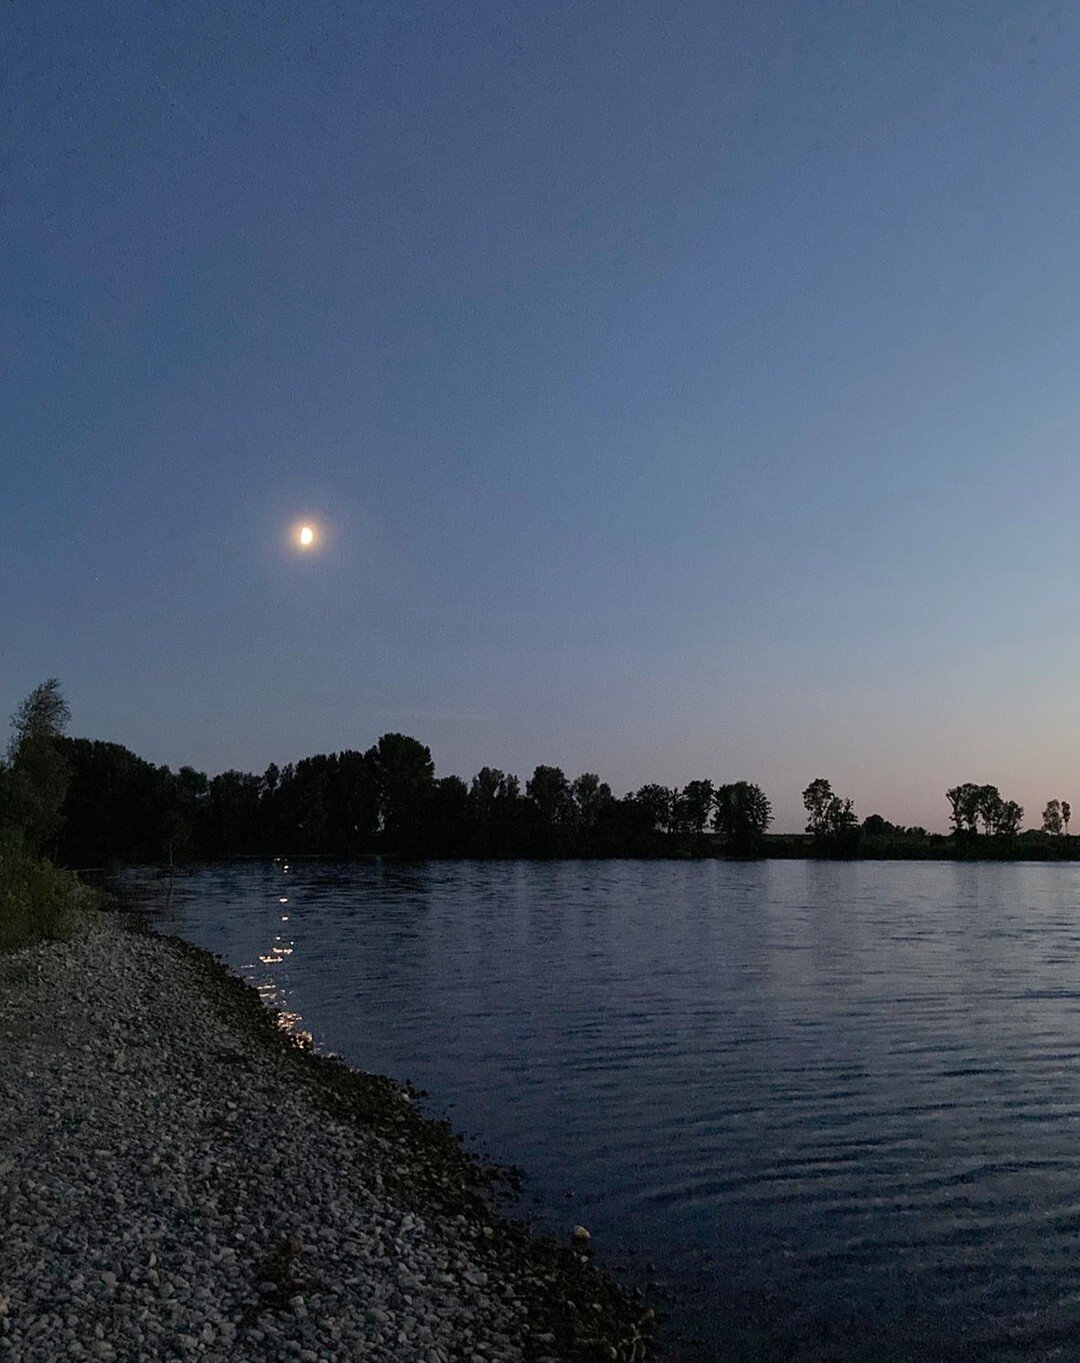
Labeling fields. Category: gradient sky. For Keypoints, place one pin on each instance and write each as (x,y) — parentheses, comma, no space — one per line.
(683,390)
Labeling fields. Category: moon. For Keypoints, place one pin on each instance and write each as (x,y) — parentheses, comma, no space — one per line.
(307,536)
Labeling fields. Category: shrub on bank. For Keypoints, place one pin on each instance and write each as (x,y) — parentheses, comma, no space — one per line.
(37,900)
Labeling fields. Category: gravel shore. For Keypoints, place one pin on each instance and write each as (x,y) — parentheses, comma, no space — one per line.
(180,1180)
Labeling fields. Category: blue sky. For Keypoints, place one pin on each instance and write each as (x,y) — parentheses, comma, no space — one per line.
(682,390)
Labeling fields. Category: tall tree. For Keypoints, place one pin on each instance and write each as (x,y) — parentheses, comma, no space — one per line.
(591,797)
(447,825)
(356,822)
(549,792)
(230,814)
(694,803)
(122,808)
(742,815)
(1066,815)
(404,775)
(484,794)
(1052,818)
(816,798)
(36,775)
(830,817)
(654,803)
(990,808)
(1008,818)
(964,802)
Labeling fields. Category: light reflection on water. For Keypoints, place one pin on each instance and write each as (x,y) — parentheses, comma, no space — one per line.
(838,1104)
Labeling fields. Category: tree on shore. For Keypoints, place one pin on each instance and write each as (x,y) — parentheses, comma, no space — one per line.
(693,806)
(447,818)
(592,798)
(742,815)
(654,806)
(487,787)
(830,818)
(1008,819)
(964,807)
(34,781)
(816,799)
(548,790)
(990,808)
(1052,818)
(1056,817)
(971,803)
(404,779)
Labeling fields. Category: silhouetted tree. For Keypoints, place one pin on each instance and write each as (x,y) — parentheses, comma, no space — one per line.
(639,823)
(742,815)
(693,804)
(231,823)
(189,787)
(327,804)
(122,808)
(830,818)
(971,803)
(990,808)
(1052,820)
(487,787)
(357,825)
(404,775)
(964,802)
(1008,816)
(549,792)
(655,805)
(1066,815)
(816,799)
(591,798)
(35,777)
(447,830)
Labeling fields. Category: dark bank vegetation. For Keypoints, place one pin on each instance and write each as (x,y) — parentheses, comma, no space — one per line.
(37,900)
(88,803)
(387,799)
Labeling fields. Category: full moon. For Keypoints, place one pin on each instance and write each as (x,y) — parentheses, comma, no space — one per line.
(307,536)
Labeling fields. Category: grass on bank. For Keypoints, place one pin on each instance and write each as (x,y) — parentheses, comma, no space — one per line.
(38,901)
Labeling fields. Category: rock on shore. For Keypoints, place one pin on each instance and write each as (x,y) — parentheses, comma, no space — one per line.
(180,1180)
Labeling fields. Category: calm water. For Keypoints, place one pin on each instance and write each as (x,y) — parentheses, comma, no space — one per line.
(838,1106)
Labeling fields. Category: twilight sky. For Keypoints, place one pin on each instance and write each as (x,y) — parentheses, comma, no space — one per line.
(682,390)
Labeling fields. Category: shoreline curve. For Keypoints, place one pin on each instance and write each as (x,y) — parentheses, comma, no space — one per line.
(181,1178)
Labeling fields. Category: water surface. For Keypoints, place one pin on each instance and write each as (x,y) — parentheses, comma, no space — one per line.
(836,1105)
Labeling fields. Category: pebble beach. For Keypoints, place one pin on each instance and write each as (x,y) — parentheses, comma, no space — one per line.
(181,1178)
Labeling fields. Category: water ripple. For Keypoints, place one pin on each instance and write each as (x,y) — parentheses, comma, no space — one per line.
(837,1105)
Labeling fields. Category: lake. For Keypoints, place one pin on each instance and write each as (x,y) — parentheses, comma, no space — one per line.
(836,1106)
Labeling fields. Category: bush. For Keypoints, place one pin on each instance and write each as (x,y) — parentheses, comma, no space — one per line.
(37,901)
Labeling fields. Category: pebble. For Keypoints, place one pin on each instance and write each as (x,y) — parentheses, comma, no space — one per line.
(168,1175)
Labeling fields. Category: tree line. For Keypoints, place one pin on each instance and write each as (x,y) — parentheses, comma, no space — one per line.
(385,799)
(90,803)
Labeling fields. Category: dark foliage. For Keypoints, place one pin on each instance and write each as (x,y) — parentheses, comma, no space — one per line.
(831,820)
(388,799)
(92,804)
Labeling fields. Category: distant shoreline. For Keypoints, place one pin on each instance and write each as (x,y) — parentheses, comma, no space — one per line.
(778,847)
